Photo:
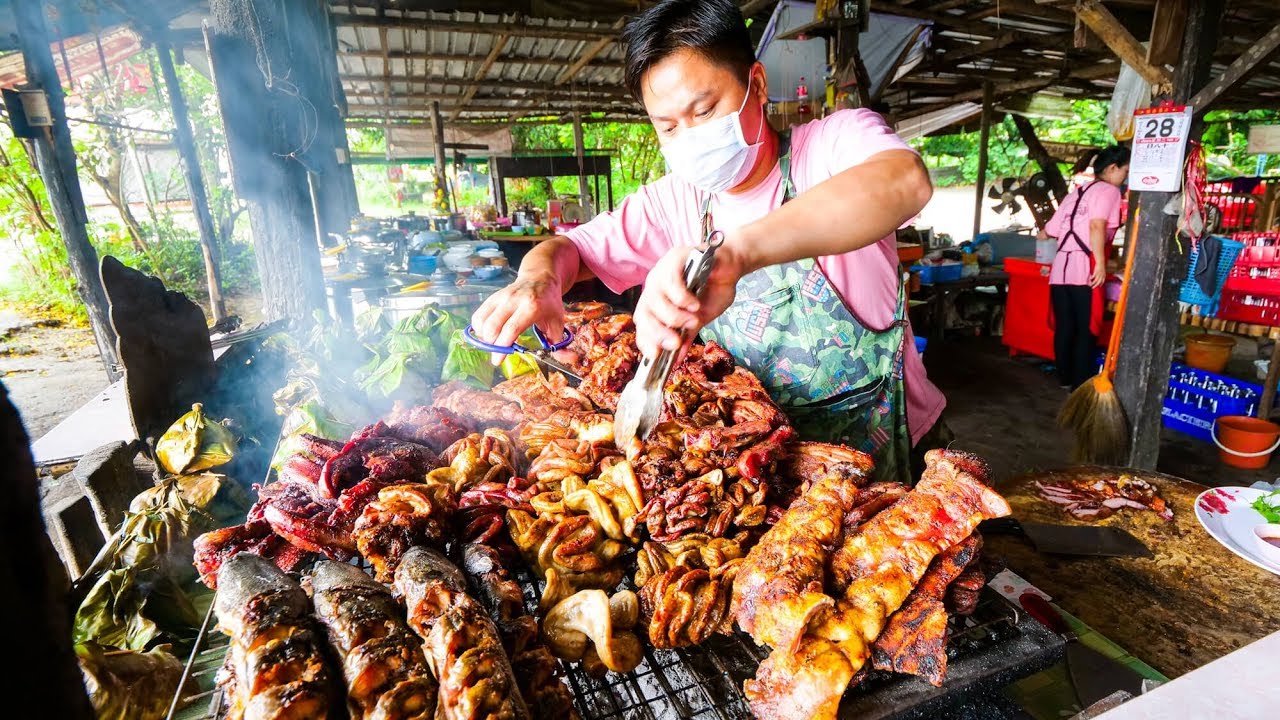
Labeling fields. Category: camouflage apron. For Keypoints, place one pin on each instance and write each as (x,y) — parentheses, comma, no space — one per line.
(838,380)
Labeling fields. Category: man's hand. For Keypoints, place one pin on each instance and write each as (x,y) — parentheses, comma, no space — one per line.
(533,299)
(666,306)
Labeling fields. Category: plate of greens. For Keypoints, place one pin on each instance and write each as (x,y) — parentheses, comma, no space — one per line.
(1230,514)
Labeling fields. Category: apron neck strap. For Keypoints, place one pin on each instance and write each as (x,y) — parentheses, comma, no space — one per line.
(784,166)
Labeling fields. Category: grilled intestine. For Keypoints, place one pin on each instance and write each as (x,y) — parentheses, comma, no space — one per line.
(462,645)
(275,667)
(382,660)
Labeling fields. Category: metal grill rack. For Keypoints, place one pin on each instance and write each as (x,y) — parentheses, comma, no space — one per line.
(704,683)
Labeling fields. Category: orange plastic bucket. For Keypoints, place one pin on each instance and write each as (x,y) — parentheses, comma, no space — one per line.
(1209,352)
(1245,442)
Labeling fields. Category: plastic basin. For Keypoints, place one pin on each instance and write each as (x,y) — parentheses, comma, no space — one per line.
(1209,352)
(1245,442)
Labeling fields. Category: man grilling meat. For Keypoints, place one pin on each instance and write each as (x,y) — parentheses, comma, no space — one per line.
(805,291)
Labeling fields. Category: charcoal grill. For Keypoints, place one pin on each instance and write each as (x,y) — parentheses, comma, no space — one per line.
(986,651)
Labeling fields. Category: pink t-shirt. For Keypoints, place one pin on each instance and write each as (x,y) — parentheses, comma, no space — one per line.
(621,246)
(1102,202)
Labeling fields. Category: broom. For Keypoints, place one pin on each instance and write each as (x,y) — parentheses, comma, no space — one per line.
(1093,411)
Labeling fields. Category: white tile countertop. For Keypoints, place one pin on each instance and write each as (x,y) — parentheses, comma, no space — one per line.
(1240,686)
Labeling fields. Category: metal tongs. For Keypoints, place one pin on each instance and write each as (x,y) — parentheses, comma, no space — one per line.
(640,404)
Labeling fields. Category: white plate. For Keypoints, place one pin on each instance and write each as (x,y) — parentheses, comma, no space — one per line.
(1226,514)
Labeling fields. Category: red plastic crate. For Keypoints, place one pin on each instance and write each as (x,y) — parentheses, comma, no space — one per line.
(1257,268)
(1250,308)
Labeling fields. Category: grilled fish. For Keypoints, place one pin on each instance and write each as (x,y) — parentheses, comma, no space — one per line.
(462,644)
(382,661)
(275,669)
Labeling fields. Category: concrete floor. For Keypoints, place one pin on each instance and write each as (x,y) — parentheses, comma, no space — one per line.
(1004,409)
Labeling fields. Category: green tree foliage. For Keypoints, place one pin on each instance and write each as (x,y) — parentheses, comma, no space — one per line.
(633,147)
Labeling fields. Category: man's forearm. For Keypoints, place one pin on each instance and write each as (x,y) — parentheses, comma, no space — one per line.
(850,210)
(556,258)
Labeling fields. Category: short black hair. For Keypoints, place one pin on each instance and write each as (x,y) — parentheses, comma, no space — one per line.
(714,28)
(1117,155)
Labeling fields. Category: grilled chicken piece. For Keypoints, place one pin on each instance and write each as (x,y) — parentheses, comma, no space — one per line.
(275,669)
(873,571)
(462,644)
(779,588)
(382,660)
(914,641)
(541,396)
(481,408)
(537,672)
(401,517)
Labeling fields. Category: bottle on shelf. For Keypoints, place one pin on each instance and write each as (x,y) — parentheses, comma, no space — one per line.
(802,99)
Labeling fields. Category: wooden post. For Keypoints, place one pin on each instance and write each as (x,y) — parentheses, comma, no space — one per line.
(1269,389)
(56,161)
(1048,165)
(980,194)
(262,76)
(437,130)
(195,181)
(1151,322)
(579,151)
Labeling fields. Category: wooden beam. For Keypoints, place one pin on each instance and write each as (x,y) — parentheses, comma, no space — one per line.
(580,152)
(588,54)
(1166,31)
(194,177)
(55,159)
(473,83)
(1121,41)
(466,57)
(499,44)
(1151,322)
(1251,61)
(752,7)
(437,140)
(515,29)
(983,154)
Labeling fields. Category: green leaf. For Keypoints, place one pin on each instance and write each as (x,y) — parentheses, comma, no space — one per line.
(467,363)
(1268,506)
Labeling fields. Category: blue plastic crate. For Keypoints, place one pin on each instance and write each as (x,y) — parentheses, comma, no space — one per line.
(1192,294)
(1197,397)
(946,272)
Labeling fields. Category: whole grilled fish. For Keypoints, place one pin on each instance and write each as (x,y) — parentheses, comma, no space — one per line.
(382,660)
(275,669)
(461,642)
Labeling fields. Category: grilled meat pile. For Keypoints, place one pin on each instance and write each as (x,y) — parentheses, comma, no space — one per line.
(275,667)
(820,587)
(386,673)
(721,516)
(1101,496)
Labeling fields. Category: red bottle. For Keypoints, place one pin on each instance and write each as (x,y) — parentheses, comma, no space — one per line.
(802,99)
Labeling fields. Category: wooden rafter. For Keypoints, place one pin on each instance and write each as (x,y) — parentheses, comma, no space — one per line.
(753,7)
(499,44)
(468,57)
(1121,41)
(588,54)
(1252,59)
(514,29)
(466,84)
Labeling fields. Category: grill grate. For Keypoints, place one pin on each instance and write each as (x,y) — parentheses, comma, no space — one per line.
(700,683)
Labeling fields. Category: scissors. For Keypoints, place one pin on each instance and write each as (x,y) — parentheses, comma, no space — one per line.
(542,355)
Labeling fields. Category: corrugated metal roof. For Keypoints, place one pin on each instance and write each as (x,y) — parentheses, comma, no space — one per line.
(477,65)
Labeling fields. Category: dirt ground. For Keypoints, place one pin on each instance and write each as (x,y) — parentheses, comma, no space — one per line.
(49,368)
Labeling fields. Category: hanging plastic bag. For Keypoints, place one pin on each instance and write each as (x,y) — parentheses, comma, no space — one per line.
(1131,92)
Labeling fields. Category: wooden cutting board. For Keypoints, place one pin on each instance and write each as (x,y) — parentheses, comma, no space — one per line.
(1192,603)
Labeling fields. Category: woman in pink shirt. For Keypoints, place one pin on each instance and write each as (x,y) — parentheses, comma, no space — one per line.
(1086,221)
(805,291)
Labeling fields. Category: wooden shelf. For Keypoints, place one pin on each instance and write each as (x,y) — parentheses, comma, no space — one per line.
(1231,327)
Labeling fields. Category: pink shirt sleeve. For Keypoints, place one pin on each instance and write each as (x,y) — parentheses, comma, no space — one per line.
(620,246)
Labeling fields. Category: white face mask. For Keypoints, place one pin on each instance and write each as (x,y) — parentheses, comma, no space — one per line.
(714,156)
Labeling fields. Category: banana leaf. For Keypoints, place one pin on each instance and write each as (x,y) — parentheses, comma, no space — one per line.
(517,364)
(195,443)
(467,363)
(129,685)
